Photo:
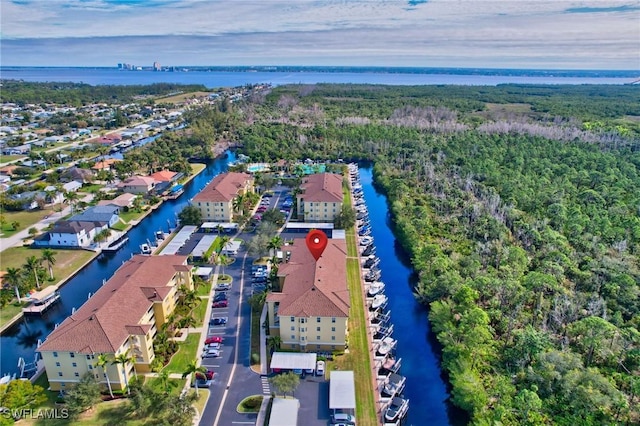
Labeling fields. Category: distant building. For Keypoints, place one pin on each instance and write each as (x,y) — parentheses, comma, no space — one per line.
(137,184)
(311,311)
(321,197)
(157,66)
(215,201)
(123,316)
(107,214)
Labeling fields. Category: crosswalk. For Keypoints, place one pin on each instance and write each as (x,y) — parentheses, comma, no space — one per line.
(266,389)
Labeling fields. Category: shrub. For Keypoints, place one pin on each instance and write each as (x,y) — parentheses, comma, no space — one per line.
(255,358)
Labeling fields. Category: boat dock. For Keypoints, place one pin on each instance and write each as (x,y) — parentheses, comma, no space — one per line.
(42,300)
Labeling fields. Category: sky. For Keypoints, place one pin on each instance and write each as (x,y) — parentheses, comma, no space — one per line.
(539,34)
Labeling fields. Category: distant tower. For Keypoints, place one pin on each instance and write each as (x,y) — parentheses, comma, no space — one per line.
(157,67)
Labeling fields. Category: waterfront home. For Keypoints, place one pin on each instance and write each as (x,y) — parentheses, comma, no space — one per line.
(137,185)
(71,233)
(215,201)
(165,176)
(54,196)
(76,173)
(320,199)
(105,164)
(122,317)
(121,201)
(108,214)
(310,312)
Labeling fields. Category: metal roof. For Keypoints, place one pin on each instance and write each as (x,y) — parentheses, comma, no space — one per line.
(284,412)
(178,241)
(293,360)
(342,390)
(309,225)
(205,244)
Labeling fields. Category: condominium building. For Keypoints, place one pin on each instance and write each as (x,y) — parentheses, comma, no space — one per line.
(311,311)
(320,199)
(216,200)
(123,316)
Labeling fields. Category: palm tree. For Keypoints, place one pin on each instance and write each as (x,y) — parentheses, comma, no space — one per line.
(192,368)
(163,378)
(71,198)
(48,256)
(222,261)
(102,362)
(189,297)
(274,342)
(223,242)
(238,202)
(13,277)
(275,243)
(33,264)
(124,359)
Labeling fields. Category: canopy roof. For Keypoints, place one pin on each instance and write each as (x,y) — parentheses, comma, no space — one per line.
(293,360)
(342,390)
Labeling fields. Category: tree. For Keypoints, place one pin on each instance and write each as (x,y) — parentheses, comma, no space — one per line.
(71,198)
(102,362)
(21,395)
(15,225)
(275,243)
(285,383)
(592,336)
(193,368)
(48,256)
(33,263)
(83,395)
(274,342)
(346,218)
(238,203)
(190,215)
(13,277)
(124,359)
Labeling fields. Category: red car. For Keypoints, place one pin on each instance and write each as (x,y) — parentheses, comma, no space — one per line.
(205,376)
(213,339)
(220,304)
(261,209)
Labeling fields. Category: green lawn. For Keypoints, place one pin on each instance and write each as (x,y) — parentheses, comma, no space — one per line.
(131,215)
(67,262)
(203,395)
(185,355)
(255,333)
(199,311)
(174,386)
(25,219)
(204,289)
(7,158)
(119,226)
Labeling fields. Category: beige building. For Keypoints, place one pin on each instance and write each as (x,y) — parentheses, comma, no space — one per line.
(321,196)
(215,201)
(124,315)
(312,310)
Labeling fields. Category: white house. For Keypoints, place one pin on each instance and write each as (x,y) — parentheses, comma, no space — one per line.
(71,233)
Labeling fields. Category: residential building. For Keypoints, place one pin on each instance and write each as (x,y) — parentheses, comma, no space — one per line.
(215,201)
(121,201)
(137,184)
(105,164)
(320,199)
(107,214)
(123,317)
(71,233)
(311,311)
(164,176)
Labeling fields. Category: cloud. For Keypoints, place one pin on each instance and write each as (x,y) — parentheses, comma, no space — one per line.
(514,33)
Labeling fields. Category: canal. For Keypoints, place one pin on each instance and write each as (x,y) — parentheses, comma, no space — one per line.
(21,339)
(425,388)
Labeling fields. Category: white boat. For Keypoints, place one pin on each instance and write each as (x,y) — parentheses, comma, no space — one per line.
(397,409)
(42,300)
(116,244)
(375,288)
(386,345)
(145,248)
(378,300)
(366,240)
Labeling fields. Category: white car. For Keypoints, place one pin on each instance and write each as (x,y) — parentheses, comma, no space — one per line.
(320,368)
(211,353)
(214,345)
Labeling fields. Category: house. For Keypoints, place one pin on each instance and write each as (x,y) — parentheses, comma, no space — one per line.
(310,312)
(71,233)
(105,164)
(137,184)
(215,201)
(121,201)
(29,199)
(110,139)
(320,199)
(17,150)
(107,214)
(77,174)
(123,316)
(58,196)
(165,176)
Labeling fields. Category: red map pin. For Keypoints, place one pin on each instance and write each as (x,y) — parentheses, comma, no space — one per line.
(316,242)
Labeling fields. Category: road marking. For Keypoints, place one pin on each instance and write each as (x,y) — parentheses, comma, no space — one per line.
(235,357)
(243,423)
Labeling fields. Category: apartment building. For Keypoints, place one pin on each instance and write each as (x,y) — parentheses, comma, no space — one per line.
(124,315)
(312,309)
(320,199)
(215,201)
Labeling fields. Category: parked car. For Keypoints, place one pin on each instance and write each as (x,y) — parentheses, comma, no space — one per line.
(220,304)
(202,383)
(208,375)
(343,418)
(212,346)
(223,286)
(213,339)
(211,353)
(218,321)
(219,297)
(320,368)
(261,209)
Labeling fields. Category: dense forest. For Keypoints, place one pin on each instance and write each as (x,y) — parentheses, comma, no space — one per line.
(79,94)
(520,208)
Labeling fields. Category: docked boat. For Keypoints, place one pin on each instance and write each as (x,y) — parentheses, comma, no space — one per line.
(378,300)
(386,345)
(397,409)
(372,275)
(370,262)
(42,300)
(375,288)
(389,366)
(368,250)
(146,248)
(365,240)
(116,244)
(380,317)
(394,385)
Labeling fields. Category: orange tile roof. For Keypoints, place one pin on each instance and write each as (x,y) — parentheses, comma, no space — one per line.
(322,187)
(163,175)
(107,319)
(224,187)
(314,288)
(105,163)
